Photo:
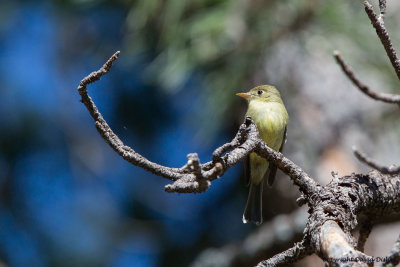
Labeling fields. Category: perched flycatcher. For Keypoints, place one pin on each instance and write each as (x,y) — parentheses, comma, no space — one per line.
(270,116)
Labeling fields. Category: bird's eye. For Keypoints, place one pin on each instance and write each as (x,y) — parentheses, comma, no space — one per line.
(260,92)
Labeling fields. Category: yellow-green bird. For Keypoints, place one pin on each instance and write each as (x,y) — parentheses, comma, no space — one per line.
(270,116)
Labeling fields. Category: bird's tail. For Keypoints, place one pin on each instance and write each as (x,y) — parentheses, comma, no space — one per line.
(253,210)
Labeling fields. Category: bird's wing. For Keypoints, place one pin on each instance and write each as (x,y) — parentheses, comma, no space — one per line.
(283,140)
(247,170)
(271,173)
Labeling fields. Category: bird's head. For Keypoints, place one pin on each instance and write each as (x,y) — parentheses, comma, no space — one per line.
(267,93)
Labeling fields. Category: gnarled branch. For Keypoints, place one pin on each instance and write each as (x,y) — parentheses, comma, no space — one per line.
(336,248)
(337,209)
(194,177)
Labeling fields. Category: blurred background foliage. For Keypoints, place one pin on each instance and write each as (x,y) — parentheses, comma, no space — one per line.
(66,199)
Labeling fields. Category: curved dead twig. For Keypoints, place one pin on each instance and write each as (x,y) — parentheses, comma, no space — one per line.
(370,162)
(195,177)
(385,97)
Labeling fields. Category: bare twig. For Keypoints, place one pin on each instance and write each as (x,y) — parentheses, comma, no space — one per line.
(385,97)
(293,254)
(300,178)
(109,136)
(234,143)
(382,8)
(194,177)
(383,34)
(394,256)
(370,162)
(269,237)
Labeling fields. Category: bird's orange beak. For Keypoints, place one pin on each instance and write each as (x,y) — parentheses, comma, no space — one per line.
(244,95)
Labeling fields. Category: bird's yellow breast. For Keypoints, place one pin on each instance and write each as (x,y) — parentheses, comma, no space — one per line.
(271,119)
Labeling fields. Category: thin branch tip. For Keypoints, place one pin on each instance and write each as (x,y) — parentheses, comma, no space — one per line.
(364,158)
(107,66)
(377,22)
(382,7)
(384,97)
(115,55)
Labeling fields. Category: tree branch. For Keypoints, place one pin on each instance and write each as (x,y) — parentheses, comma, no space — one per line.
(110,137)
(269,237)
(293,254)
(370,162)
(194,177)
(336,248)
(385,97)
(383,34)
(382,8)
(342,202)
(306,184)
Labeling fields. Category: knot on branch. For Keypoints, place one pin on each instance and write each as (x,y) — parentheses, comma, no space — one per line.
(188,184)
(194,164)
(197,178)
(194,181)
(339,201)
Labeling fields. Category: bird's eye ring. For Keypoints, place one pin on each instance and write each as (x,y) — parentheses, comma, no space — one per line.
(260,92)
